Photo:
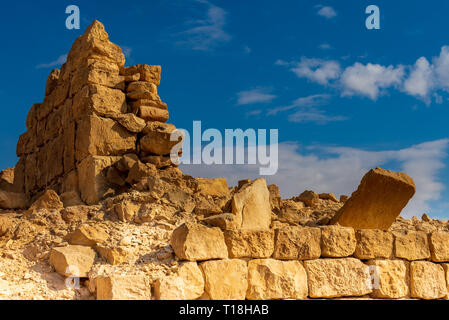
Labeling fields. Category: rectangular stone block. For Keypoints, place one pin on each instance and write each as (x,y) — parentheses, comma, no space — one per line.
(96,76)
(427,280)
(123,287)
(297,243)
(372,244)
(100,100)
(102,137)
(196,242)
(378,201)
(333,278)
(411,245)
(270,279)
(249,244)
(337,242)
(439,246)
(55,158)
(225,279)
(390,278)
(92,180)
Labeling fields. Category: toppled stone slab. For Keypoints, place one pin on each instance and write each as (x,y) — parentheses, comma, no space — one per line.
(337,242)
(187,284)
(196,242)
(251,205)
(372,244)
(249,244)
(87,235)
(72,261)
(378,201)
(332,278)
(123,287)
(270,279)
(427,280)
(297,243)
(225,279)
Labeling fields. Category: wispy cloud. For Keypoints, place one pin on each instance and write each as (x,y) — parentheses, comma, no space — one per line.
(326,11)
(325,46)
(61,60)
(260,95)
(316,70)
(340,169)
(208,32)
(305,110)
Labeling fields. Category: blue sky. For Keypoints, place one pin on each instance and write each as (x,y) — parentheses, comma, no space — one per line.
(344,98)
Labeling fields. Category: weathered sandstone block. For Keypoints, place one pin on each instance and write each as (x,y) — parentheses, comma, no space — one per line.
(157,138)
(153,114)
(332,278)
(310,198)
(92,178)
(102,137)
(372,244)
(275,197)
(249,243)
(212,187)
(251,205)
(427,280)
(195,242)
(337,242)
(113,255)
(100,100)
(439,246)
(391,278)
(411,245)
(187,284)
(87,235)
(123,287)
(75,261)
(378,201)
(297,243)
(49,200)
(225,279)
(270,279)
(147,73)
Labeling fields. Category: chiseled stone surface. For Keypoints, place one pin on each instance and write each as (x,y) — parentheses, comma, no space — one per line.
(390,278)
(225,279)
(411,245)
(249,243)
(427,280)
(332,278)
(270,279)
(337,242)
(297,243)
(373,243)
(439,246)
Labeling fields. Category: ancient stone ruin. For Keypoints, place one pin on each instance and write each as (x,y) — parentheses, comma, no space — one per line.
(95,198)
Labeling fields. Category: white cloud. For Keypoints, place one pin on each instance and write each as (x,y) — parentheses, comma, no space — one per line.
(316,70)
(254,96)
(306,111)
(340,169)
(327,12)
(61,60)
(370,79)
(420,81)
(209,32)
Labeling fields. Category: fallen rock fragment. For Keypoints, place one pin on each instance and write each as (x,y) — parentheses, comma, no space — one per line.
(72,261)
(123,287)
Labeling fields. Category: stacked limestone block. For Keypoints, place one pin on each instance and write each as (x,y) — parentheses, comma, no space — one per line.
(95,111)
(240,256)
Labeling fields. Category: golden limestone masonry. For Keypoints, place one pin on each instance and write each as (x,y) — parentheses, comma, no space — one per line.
(94,209)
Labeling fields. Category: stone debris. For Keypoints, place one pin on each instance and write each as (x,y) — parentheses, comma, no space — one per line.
(95,201)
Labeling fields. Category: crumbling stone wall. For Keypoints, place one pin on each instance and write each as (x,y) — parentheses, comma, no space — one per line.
(95,112)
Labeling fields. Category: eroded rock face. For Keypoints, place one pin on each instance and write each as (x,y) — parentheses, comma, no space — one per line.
(372,244)
(411,245)
(270,279)
(439,246)
(378,201)
(331,278)
(13,200)
(299,243)
(249,244)
(337,242)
